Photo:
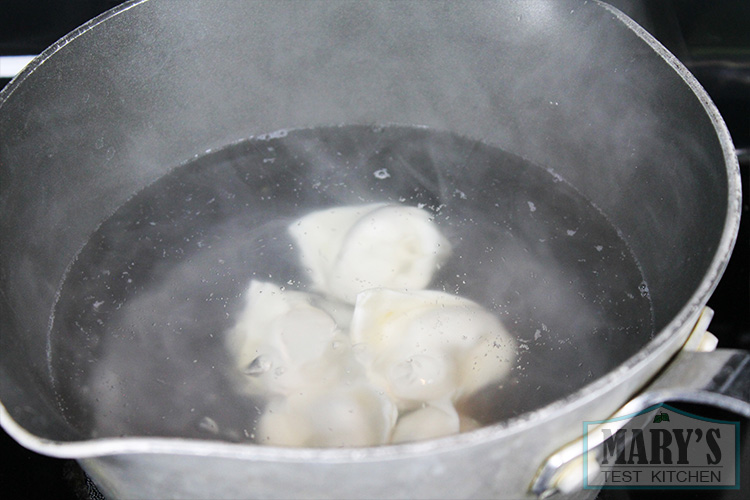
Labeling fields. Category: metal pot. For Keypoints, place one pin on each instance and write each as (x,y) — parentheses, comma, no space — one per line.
(574,87)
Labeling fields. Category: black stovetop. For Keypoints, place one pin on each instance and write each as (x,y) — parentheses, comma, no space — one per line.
(711,38)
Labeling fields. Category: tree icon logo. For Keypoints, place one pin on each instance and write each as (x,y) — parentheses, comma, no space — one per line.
(661,417)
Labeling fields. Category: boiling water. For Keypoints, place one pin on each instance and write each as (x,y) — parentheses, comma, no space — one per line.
(138,332)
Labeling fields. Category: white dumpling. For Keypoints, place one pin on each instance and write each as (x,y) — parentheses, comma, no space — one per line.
(432,421)
(428,345)
(340,311)
(321,235)
(350,249)
(332,416)
(281,342)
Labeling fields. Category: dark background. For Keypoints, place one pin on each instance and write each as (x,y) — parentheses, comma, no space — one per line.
(711,38)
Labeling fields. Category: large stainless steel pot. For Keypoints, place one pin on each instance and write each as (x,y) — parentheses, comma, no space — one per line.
(572,86)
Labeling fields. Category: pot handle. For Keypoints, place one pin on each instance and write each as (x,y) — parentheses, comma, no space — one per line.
(719,378)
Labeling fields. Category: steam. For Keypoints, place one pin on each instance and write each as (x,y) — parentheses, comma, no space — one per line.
(139,332)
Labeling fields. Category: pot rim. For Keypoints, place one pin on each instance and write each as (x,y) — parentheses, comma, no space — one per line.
(662,345)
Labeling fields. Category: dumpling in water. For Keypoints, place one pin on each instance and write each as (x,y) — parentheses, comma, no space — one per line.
(373,358)
(431,421)
(281,342)
(350,249)
(330,416)
(428,345)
